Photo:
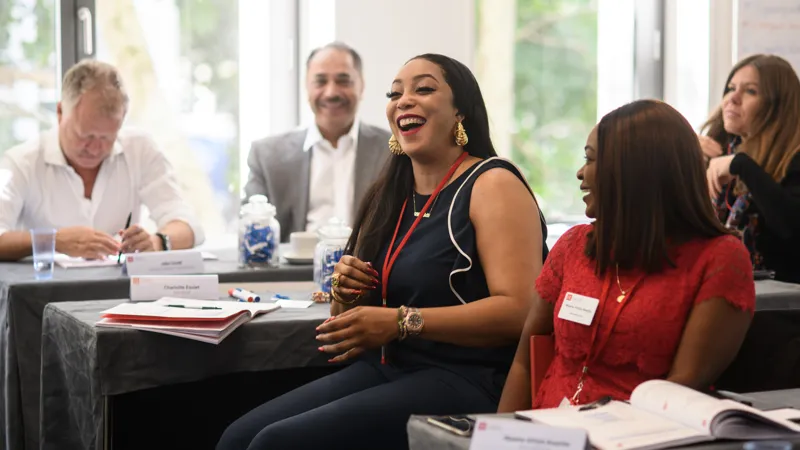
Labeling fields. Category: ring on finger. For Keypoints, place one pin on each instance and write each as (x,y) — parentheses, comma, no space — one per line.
(335,279)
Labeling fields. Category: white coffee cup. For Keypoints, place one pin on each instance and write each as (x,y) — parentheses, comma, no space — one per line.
(302,244)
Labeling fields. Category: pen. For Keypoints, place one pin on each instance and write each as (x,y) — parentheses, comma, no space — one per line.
(194,307)
(127,225)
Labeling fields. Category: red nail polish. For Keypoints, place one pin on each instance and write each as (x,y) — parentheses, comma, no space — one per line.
(321,349)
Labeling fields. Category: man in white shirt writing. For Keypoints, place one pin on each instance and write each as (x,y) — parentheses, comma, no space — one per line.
(87,176)
(322,171)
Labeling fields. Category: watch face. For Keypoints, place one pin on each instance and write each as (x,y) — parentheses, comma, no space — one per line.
(415,321)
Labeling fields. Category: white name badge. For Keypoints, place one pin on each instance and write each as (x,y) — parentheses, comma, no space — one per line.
(578,308)
(511,434)
(178,262)
(154,287)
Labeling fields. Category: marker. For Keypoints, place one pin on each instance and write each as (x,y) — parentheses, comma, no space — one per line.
(243,295)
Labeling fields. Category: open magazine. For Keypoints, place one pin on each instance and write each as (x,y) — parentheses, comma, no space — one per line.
(662,414)
(208,321)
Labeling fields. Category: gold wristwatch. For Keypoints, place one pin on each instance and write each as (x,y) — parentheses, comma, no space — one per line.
(413,322)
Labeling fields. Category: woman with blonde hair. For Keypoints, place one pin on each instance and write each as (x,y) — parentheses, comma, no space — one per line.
(752,142)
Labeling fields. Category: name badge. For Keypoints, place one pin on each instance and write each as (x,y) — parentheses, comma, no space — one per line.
(154,287)
(578,308)
(178,262)
(509,434)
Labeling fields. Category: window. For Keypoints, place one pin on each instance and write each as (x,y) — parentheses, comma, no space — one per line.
(206,78)
(29,77)
(549,70)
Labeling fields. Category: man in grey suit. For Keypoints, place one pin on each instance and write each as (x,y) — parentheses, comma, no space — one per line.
(314,174)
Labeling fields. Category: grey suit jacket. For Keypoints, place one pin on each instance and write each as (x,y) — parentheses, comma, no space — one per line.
(280,169)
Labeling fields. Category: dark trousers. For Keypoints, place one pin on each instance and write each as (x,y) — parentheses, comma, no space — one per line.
(364,406)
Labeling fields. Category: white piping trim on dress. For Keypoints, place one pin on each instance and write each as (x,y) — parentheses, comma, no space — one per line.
(450,223)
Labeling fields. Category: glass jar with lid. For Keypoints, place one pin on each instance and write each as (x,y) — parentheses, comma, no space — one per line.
(259,233)
(333,237)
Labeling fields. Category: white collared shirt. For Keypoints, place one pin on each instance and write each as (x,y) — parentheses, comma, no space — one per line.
(38,188)
(331,181)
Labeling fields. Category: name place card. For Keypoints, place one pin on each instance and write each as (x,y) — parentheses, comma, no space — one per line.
(511,434)
(154,287)
(176,262)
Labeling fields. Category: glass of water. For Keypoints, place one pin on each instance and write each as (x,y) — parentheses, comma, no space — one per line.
(43,241)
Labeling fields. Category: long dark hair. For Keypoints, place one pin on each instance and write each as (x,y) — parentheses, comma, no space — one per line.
(650,188)
(378,212)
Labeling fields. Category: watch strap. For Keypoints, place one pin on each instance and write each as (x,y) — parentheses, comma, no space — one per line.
(165,245)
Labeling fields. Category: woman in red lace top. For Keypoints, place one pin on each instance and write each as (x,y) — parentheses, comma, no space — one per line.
(653,288)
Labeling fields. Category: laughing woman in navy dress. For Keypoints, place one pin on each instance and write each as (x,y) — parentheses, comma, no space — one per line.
(438,278)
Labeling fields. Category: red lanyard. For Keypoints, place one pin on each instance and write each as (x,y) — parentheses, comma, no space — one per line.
(604,339)
(388,262)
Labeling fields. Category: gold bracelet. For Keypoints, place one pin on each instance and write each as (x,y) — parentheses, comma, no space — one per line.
(401,324)
(340,300)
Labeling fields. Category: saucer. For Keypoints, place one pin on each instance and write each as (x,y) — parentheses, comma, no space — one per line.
(296,259)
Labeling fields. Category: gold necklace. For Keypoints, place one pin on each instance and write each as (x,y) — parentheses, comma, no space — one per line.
(621,297)
(427,214)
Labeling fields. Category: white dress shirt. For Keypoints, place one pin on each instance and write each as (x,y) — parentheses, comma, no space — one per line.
(331,182)
(39,189)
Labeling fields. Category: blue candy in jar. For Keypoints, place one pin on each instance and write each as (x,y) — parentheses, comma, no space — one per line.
(331,257)
(259,244)
(330,249)
(259,233)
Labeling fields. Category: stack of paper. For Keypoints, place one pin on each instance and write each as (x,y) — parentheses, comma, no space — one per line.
(202,320)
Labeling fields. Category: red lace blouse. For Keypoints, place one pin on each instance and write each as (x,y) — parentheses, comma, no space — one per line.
(648,329)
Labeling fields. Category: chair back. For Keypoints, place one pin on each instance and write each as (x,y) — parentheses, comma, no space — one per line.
(542,352)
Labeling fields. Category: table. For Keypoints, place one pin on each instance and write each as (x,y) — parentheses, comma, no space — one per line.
(22,301)
(82,366)
(422,436)
(769,358)
(95,377)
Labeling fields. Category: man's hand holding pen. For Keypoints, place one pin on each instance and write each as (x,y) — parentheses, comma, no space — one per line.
(136,239)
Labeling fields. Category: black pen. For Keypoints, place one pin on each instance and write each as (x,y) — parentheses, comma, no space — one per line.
(127,225)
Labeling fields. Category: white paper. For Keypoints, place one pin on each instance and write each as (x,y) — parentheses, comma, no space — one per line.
(510,434)
(578,308)
(619,426)
(783,414)
(178,262)
(294,303)
(159,309)
(68,262)
(154,287)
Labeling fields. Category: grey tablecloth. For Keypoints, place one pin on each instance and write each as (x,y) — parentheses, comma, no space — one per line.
(422,436)
(82,363)
(22,301)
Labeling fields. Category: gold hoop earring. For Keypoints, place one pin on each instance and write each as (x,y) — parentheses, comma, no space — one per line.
(394,146)
(461,135)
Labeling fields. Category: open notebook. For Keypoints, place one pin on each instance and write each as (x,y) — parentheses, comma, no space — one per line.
(202,320)
(662,414)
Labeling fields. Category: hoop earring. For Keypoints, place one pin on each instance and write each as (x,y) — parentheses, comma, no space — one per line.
(461,135)
(394,146)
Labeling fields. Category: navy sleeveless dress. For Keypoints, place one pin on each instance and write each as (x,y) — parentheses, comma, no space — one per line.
(437,269)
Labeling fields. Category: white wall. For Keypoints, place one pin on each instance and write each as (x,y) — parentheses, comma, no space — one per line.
(386,33)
